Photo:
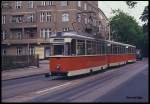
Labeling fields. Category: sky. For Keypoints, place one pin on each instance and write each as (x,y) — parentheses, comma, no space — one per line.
(107,6)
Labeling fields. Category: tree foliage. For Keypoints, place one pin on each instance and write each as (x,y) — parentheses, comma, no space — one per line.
(125,29)
(131,4)
(144,17)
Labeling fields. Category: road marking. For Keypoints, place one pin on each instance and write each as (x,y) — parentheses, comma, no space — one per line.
(32,95)
(108,86)
(52,88)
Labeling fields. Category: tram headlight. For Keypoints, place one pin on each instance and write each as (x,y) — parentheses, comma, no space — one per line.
(58,67)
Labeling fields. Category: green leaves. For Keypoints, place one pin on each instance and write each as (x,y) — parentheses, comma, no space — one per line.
(125,28)
(131,4)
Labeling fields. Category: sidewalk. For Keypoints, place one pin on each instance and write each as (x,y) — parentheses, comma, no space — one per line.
(26,72)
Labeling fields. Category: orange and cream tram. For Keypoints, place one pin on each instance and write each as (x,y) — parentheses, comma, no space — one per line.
(75,54)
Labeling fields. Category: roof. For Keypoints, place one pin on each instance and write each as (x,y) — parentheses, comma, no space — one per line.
(71,34)
(119,43)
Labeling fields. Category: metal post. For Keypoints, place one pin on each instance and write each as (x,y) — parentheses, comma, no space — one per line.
(76,47)
(85,48)
(28,54)
(109,31)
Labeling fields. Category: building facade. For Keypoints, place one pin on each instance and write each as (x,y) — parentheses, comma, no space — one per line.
(27,25)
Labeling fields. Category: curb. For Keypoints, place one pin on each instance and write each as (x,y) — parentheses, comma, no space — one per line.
(24,76)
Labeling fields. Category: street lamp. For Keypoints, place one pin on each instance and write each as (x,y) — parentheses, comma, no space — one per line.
(109,38)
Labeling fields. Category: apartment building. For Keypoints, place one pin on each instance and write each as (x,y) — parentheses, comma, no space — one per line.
(28,25)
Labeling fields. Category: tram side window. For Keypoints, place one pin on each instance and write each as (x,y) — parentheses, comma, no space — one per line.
(108,49)
(103,47)
(93,47)
(129,50)
(134,50)
(99,47)
(80,47)
(89,47)
(123,49)
(73,47)
(112,49)
(117,49)
(120,49)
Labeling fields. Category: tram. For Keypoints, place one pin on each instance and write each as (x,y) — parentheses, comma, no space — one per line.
(74,54)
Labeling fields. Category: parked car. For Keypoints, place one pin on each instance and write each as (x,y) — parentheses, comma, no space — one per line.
(138,55)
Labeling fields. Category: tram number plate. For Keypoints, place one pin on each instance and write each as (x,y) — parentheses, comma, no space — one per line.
(58,40)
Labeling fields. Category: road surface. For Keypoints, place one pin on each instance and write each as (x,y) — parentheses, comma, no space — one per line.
(128,83)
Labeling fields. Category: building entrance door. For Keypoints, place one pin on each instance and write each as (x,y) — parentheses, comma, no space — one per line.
(47,52)
(58,49)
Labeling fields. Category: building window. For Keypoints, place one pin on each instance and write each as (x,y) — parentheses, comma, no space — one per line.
(79,17)
(5,4)
(64,3)
(45,17)
(42,17)
(65,17)
(85,6)
(45,33)
(85,20)
(19,50)
(18,4)
(3,51)
(4,33)
(66,29)
(46,3)
(49,3)
(43,3)
(48,17)
(30,4)
(31,50)
(30,18)
(79,3)
(3,19)
(17,19)
(19,35)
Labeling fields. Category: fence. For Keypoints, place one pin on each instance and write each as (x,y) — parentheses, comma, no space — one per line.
(11,62)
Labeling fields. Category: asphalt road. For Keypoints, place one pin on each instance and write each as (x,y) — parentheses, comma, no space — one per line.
(128,83)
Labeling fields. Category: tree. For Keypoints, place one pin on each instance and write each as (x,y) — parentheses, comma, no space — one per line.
(125,29)
(144,18)
(131,4)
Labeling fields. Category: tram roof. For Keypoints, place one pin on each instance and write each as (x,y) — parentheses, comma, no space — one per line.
(71,34)
(119,43)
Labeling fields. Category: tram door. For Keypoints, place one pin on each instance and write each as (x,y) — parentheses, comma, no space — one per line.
(58,49)
(47,52)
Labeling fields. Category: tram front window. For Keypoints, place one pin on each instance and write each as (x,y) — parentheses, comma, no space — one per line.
(58,49)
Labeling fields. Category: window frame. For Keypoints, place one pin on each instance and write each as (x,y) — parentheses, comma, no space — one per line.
(18,4)
(3,19)
(30,4)
(65,17)
(64,3)
(19,51)
(79,3)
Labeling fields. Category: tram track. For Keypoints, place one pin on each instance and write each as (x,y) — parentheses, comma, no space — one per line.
(76,89)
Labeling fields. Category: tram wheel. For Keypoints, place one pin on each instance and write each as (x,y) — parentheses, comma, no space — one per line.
(47,75)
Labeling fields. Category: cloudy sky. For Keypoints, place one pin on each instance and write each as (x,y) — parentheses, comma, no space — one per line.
(107,6)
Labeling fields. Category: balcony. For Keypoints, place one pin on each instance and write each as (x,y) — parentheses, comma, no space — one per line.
(23,25)
(25,41)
